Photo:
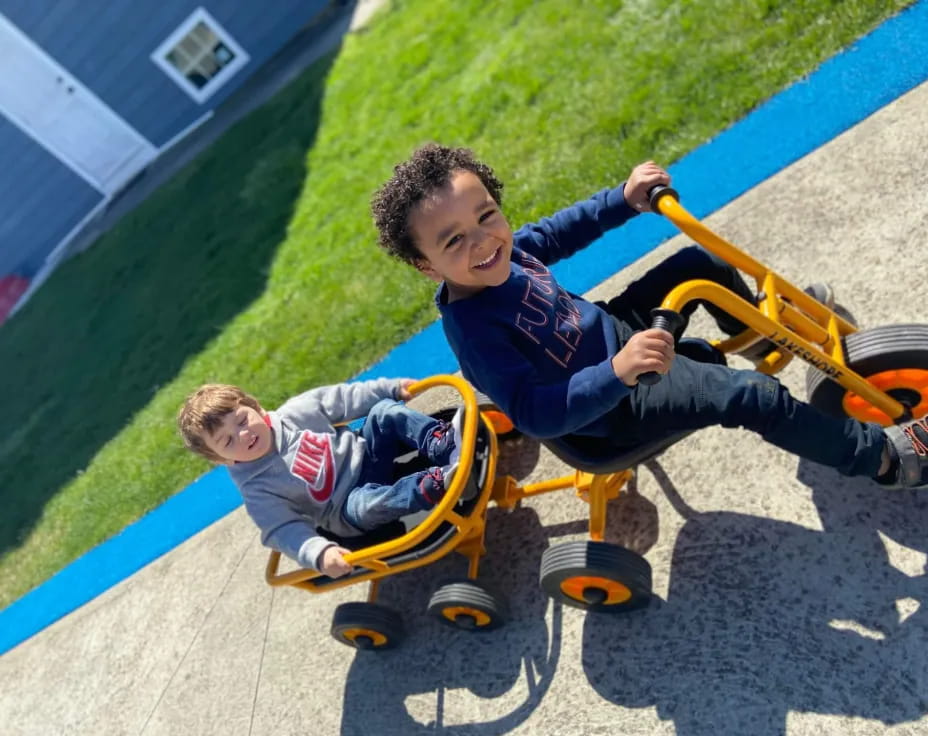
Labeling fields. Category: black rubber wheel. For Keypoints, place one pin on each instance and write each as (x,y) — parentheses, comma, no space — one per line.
(467,604)
(596,576)
(365,625)
(893,358)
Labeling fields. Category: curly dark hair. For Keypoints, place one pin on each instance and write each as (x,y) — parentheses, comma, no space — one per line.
(429,169)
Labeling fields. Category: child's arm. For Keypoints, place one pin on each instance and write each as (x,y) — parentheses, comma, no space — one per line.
(291,533)
(539,408)
(645,352)
(333,562)
(299,541)
(543,409)
(574,228)
(343,402)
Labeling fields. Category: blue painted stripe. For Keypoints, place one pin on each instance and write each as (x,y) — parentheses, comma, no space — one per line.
(180,517)
(842,92)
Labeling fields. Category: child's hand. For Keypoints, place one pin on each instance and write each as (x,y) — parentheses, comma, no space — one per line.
(403,393)
(333,562)
(651,350)
(640,181)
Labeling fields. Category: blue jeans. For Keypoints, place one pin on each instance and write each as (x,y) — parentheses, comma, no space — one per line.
(391,430)
(695,394)
(634,305)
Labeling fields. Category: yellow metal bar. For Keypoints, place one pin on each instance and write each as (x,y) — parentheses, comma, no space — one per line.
(785,339)
(670,208)
(372,590)
(770,282)
(737,342)
(546,486)
(376,565)
(506,492)
(306,581)
(270,570)
(773,362)
(473,550)
(767,320)
(597,499)
(806,327)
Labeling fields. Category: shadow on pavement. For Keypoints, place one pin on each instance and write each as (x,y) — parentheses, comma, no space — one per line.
(435,660)
(765,617)
(509,669)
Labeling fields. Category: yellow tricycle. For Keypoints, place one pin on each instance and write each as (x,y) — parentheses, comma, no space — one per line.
(877,375)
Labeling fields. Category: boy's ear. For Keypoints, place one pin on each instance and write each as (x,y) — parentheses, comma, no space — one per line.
(425,268)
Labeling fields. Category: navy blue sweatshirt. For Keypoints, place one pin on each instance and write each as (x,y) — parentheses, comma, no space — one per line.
(542,354)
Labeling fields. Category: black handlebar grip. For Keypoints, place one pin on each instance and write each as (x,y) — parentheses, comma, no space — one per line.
(656,193)
(661,319)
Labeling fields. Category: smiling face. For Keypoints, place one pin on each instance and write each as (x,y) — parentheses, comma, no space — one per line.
(242,436)
(463,237)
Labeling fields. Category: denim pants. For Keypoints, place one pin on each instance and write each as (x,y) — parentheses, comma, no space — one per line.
(634,305)
(390,430)
(695,394)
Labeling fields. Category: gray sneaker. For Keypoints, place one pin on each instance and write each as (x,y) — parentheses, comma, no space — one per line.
(909,444)
(821,292)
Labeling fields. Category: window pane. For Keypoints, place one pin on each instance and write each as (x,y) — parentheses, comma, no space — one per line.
(207,66)
(200,55)
(190,46)
(223,54)
(202,34)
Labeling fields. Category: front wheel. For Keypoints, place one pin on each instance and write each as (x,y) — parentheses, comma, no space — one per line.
(893,358)
(596,576)
(365,625)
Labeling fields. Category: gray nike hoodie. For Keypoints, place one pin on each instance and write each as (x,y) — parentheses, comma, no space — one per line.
(304,481)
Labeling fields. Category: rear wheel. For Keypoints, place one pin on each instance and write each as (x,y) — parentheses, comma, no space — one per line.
(894,359)
(596,576)
(467,604)
(367,626)
(502,424)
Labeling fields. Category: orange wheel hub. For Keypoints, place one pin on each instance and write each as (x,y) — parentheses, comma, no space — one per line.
(615,591)
(500,422)
(377,639)
(912,382)
(452,612)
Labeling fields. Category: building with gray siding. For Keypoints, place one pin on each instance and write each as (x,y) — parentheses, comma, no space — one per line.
(92,91)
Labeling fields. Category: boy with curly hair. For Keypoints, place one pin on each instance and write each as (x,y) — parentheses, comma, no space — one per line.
(558,364)
(297,467)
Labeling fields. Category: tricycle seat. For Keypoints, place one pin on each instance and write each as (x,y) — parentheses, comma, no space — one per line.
(598,455)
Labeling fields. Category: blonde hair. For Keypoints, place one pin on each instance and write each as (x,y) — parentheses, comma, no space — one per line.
(204,411)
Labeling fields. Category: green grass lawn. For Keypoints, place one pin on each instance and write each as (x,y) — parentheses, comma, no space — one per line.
(258,265)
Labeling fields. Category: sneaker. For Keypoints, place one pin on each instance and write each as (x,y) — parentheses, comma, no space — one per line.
(470,490)
(822,293)
(908,443)
(435,482)
(443,444)
(457,421)
(432,486)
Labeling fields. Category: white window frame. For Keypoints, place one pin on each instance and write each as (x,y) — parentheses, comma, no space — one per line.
(160,56)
